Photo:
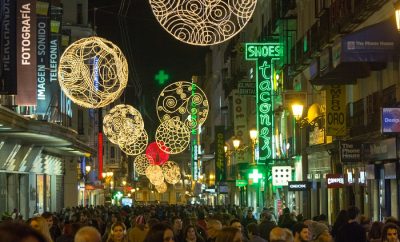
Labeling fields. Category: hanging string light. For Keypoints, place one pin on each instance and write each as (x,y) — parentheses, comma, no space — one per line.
(172,136)
(172,172)
(93,72)
(141,163)
(137,147)
(200,22)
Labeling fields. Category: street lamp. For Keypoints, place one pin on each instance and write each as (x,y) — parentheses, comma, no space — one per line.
(88,168)
(236,143)
(253,137)
(397,13)
(297,110)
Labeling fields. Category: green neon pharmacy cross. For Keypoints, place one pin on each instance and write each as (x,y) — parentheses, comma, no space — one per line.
(255,176)
(161,77)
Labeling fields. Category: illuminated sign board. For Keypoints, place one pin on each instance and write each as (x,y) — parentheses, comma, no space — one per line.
(219,141)
(390,120)
(298,186)
(336,110)
(265,55)
(334,180)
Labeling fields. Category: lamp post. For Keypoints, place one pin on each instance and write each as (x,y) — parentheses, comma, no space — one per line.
(297,110)
(253,137)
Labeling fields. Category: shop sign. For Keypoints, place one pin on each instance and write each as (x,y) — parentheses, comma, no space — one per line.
(336,110)
(350,152)
(219,141)
(241,183)
(390,120)
(334,180)
(266,55)
(240,123)
(281,175)
(298,186)
(380,150)
(247,88)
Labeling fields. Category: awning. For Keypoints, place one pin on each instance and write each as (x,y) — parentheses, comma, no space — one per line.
(358,53)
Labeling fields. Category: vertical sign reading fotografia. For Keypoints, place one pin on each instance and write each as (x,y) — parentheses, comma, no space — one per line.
(26,52)
(219,141)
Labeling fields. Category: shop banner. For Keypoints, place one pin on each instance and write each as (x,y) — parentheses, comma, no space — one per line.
(43,61)
(336,110)
(220,166)
(240,125)
(334,180)
(298,186)
(390,120)
(8,53)
(350,152)
(380,150)
(26,53)
(265,55)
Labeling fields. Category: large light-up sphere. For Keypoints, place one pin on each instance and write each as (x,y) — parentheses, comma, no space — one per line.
(172,172)
(141,163)
(136,147)
(172,136)
(158,156)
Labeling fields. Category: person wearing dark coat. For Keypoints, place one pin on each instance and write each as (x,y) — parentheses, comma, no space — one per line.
(352,231)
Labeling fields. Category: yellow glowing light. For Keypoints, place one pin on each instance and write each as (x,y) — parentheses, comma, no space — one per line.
(155,175)
(138,146)
(172,172)
(141,163)
(123,124)
(183,100)
(172,136)
(161,188)
(200,22)
(93,72)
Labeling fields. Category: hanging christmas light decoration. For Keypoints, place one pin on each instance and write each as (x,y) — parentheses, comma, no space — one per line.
(137,147)
(123,124)
(172,172)
(200,22)
(161,188)
(93,72)
(158,156)
(141,163)
(184,100)
(155,174)
(172,136)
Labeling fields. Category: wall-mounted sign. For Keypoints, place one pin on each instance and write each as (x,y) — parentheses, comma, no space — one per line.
(350,152)
(390,120)
(298,186)
(265,55)
(281,175)
(334,180)
(247,88)
(380,150)
(241,183)
(220,165)
(336,110)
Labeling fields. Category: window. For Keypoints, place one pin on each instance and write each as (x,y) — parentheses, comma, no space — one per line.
(389,96)
(112,152)
(80,122)
(79,13)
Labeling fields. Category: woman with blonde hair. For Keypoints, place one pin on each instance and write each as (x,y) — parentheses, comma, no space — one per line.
(229,234)
(40,225)
(117,233)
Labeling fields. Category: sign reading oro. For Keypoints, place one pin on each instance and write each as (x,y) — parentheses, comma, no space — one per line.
(336,110)
(265,55)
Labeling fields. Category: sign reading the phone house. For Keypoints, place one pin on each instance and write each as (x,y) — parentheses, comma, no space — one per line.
(265,55)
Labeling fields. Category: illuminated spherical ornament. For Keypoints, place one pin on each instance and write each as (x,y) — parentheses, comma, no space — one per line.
(172,172)
(183,100)
(158,156)
(155,175)
(138,146)
(161,188)
(141,163)
(123,124)
(203,22)
(93,72)
(172,136)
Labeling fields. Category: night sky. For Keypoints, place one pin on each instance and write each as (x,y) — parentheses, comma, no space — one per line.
(152,48)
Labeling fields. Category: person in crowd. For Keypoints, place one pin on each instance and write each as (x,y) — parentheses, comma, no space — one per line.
(213,228)
(316,229)
(15,232)
(139,230)
(15,214)
(375,233)
(114,218)
(69,232)
(87,234)
(390,233)
(236,224)
(286,220)
(325,236)
(117,233)
(341,219)
(229,234)
(160,232)
(279,234)
(352,231)
(249,218)
(254,233)
(177,228)
(266,225)
(301,233)
(40,224)
(190,234)
(54,230)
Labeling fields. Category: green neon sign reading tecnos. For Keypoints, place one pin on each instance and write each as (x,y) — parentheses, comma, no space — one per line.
(265,55)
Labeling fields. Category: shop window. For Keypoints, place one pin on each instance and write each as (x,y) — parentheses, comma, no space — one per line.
(389,96)
(373,110)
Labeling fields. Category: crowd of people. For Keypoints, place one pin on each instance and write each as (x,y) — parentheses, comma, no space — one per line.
(167,223)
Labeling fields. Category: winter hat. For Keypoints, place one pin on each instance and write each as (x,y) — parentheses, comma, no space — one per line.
(140,220)
(317,229)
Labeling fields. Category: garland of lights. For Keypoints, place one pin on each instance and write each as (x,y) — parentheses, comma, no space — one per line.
(172,172)
(138,146)
(200,22)
(158,156)
(161,188)
(155,175)
(172,136)
(123,124)
(93,72)
(141,163)
(183,100)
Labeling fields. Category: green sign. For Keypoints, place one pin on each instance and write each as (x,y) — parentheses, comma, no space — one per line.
(255,176)
(265,55)
(241,183)
(161,77)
